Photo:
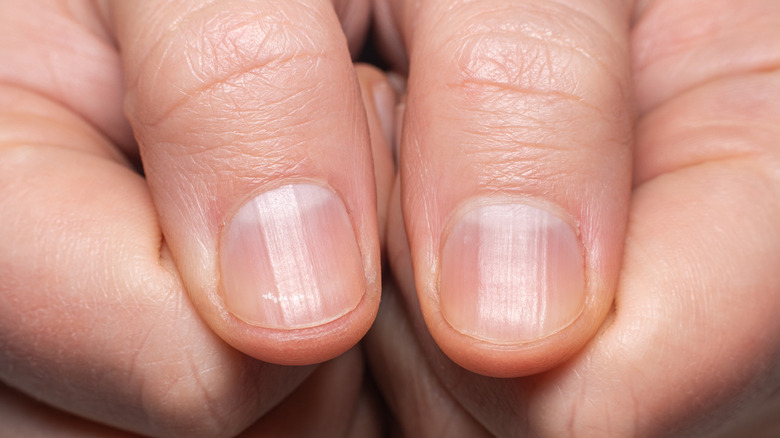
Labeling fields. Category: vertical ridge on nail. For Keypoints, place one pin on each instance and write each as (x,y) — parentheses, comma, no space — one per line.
(511,273)
(289,259)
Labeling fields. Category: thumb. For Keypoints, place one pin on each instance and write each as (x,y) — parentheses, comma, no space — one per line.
(256,149)
(515,176)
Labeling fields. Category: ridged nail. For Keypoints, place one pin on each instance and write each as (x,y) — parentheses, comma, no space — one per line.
(289,259)
(511,273)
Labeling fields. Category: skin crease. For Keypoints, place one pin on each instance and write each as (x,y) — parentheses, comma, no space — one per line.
(705,165)
(204,156)
(700,256)
(95,318)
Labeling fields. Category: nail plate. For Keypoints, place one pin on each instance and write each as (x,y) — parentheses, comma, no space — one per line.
(511,273)
(289,259)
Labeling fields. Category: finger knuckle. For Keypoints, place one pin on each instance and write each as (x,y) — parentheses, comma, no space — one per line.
(522,51)
(531,81)
(533,55)
(216,55)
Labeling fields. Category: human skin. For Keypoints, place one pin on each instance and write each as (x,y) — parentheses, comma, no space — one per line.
(96,258)
(614,130)
(689,345)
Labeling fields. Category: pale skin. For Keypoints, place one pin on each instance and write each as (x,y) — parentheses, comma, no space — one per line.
(644,135)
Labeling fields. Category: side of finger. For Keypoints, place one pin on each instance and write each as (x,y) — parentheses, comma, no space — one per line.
(696,310)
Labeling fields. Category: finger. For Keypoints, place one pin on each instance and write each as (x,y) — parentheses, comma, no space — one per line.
(355,19)
(699,295)
(335,389)
(691,345)
(409,385)
(515,169)
(68,56)
(379,99)
(94,320)
(425,390)
(338,387)
(668,55)
(387,19)
(256,149)
(403,377)
(23,416)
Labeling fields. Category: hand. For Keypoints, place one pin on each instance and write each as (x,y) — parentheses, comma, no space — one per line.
(524,219)
(233,105)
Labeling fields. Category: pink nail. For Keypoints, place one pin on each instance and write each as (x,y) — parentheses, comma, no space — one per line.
(289,259)
(511,273)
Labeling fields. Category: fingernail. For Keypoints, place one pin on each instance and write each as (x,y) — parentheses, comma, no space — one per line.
(289,259)
(511,273)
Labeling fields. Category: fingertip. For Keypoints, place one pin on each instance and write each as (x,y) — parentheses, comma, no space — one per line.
(306,346)
(515,186)
(262,177)
(293,281)
(294,346)
(508,360)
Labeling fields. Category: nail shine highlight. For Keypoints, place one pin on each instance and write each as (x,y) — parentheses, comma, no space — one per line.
(289,259)
(511,273)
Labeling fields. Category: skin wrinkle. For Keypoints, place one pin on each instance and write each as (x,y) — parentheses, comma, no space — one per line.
(502,108)
(508,88)
(162,415)
(140,378)
(234,52)
(521,141)
(731,49)
(504,81)
(714,133)
(84,15)
(513,162)
(253,114)
(65,130)
(107,6)
(96,273)
(251,71)
(12,143)
(432,376)
(165,405)
(702,34)
(477,60)
(69,39)
(258,138)
(257,129)
(761,162)
(220,420)
(695,35)
(159,408)
(482,25)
